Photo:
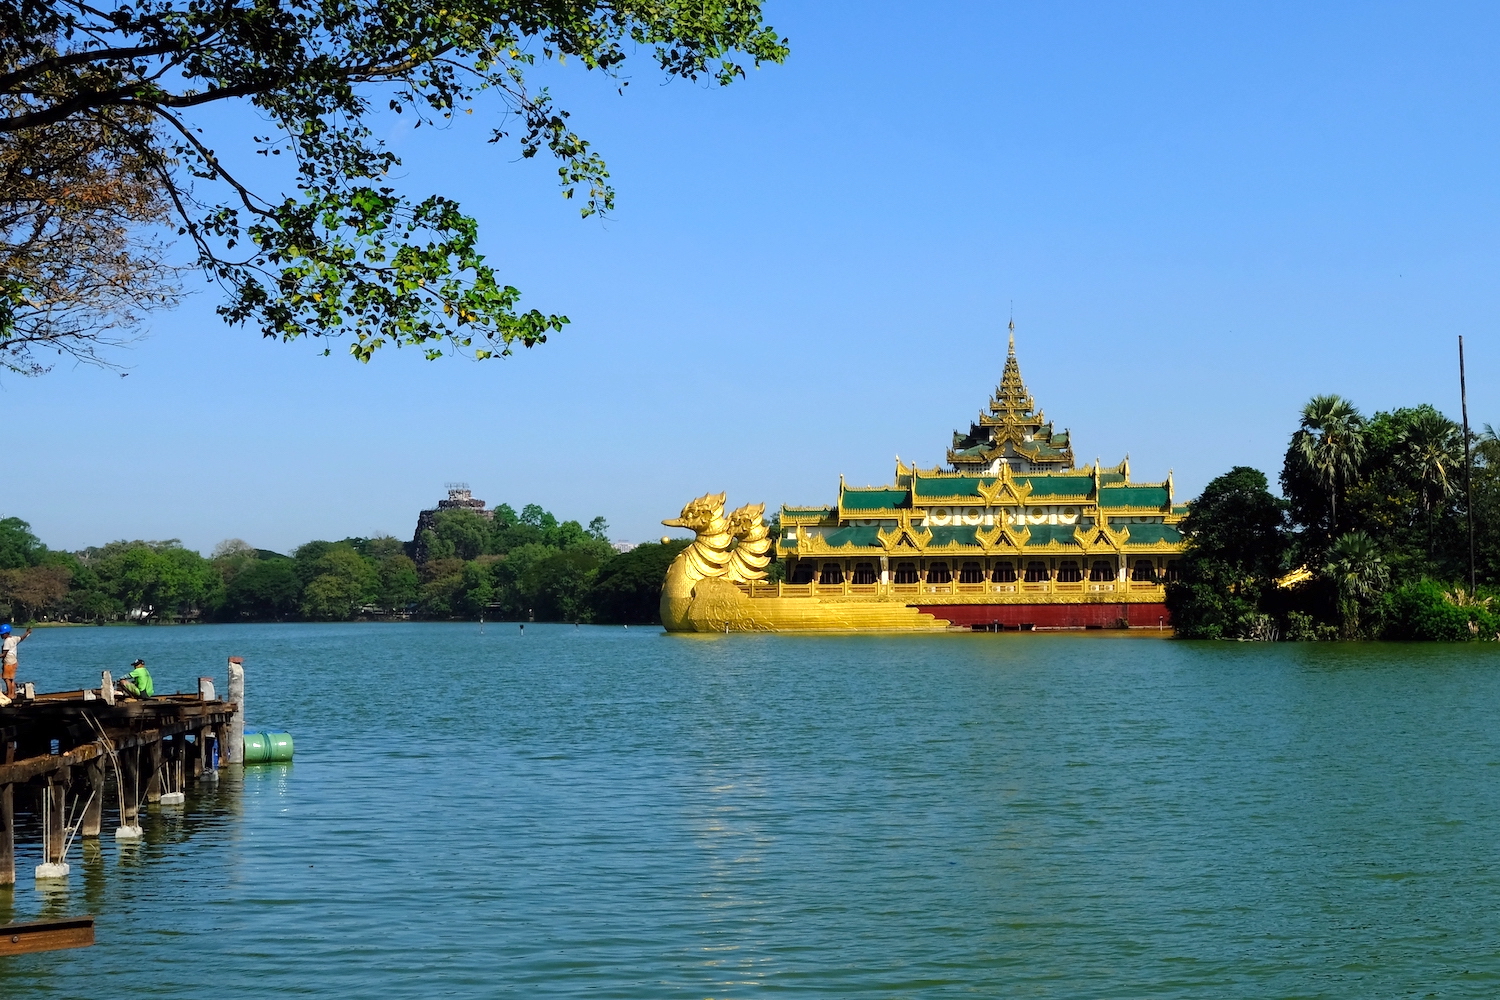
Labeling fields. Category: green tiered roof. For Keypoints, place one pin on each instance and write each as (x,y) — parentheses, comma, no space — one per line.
(1012,483)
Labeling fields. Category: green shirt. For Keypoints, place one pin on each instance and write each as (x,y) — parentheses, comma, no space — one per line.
(141,678)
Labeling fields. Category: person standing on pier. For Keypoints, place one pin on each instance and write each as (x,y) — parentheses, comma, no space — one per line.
(138,682)
(8,643)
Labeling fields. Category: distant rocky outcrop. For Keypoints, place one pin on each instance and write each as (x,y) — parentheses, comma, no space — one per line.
(459,498)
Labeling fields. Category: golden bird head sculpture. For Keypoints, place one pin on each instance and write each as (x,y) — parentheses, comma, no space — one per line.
(745,518)
(699,514)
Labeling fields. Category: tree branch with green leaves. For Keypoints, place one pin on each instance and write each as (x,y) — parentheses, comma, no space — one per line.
(345,253)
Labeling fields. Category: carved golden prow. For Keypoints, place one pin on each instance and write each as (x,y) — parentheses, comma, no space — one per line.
(702,591)
(708,555)
(750,556)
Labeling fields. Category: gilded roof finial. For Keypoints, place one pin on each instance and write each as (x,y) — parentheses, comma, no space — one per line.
(1012,329)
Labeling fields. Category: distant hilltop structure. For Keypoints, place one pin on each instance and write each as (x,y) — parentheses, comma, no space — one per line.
(459,498)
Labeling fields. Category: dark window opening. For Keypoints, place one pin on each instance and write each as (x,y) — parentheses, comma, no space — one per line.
(971,572)
(906,573)
(1036,572)
(1068,572)
(1005,572)
(864,574)
(1174,571)
(1101,571)
(803,572)
(833,574)
(1144,572)
(938,573)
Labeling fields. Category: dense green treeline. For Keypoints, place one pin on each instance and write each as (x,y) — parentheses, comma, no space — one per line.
(526,566)
(1369,538)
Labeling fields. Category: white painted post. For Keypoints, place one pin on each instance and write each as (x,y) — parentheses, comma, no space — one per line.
(234,737)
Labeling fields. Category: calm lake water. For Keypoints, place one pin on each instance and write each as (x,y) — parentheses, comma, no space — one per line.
(605,812)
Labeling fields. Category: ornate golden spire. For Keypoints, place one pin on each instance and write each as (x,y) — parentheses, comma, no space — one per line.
(1011,395)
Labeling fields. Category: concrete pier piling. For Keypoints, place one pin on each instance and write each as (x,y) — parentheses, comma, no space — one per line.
(233,749)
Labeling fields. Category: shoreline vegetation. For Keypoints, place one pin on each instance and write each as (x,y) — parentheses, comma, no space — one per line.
(1368,540)
(525,566)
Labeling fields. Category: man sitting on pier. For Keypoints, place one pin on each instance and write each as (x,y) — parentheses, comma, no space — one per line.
(137,683)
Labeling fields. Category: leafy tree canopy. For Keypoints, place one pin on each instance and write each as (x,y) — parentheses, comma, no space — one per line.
(18,546)
(267,588)
(1237,523)
(347,253)
(627,589)
(1236,542)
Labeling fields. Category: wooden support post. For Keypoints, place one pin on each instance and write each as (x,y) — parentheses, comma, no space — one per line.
(185,754)
(129,779)
(153,766)
(233,751)
(56,805)
(7,834)
(93,814)
(200,743)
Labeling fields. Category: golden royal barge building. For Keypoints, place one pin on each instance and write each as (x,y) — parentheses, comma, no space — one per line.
(1011,535)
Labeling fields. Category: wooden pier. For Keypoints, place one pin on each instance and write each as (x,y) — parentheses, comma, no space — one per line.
(74,757)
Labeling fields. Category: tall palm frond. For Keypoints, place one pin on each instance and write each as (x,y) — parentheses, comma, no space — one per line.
(1356,565)
(1358,570)
(1432,450)
(1487,447)
(1331,444)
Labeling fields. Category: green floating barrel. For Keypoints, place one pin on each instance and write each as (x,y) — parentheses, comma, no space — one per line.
(268,748)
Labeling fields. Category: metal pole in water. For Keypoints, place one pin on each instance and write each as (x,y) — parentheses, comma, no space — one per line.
(1463,400)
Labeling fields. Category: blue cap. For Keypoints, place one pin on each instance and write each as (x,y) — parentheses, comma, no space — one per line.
(5,629)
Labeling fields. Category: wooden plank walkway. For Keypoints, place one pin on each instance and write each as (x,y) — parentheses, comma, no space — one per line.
(63,747)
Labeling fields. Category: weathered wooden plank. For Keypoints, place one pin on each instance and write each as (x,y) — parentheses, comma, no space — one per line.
(7,835)
(153,771)
(35,767)
(93,814)
(46,935)
(56,805)
(130,789)
(198,758)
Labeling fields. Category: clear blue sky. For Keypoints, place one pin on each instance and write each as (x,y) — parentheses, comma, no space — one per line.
(1204,214)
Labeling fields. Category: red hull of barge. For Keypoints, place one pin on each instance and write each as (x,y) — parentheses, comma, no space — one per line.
(1051,615)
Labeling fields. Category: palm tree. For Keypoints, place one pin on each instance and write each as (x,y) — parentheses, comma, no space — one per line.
(1359,572)
(1487,447)
(1331,444)
(1432,449)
